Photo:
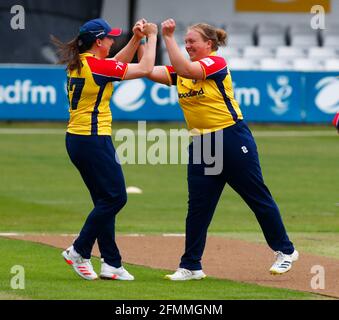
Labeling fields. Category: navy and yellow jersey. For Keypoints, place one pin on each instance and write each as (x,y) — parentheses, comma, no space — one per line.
(89,95)
(208,105)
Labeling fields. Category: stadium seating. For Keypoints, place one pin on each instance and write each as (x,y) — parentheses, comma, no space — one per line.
(243,64)
(322,53)
(240,39)
(332,28)
(240,34)
(270,28)
(330,35)
(290,52)
(275,46)
(300,28)
(165,58)
(305,64)
(258,52)
(271,40)
(230,52)
(304,40)
(270,35)
(239,27)
(332,65)
(275,64)
(331,40)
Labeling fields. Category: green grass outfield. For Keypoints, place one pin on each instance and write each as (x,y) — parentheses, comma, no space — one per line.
(48,277)
(40,190)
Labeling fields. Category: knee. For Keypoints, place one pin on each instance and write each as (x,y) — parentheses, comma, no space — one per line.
(119,201)
(113,203)
(122,199)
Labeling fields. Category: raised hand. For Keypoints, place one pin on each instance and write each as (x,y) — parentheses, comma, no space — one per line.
(138,29)
(150,29)
(168,27)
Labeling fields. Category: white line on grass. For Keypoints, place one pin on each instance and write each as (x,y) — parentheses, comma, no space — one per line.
(20,131)
(264,133)
(20,234)
(283,134)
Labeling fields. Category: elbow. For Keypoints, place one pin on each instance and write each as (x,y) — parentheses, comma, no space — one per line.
(184,71)
(145,72)
(189,70)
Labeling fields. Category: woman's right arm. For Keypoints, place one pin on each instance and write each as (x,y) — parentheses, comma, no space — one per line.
(184,67)
(146,64)
(127,53)
(160,74)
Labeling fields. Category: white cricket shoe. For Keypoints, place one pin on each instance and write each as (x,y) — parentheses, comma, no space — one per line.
(83,267)
(184,274)
(111,273)
(283,262)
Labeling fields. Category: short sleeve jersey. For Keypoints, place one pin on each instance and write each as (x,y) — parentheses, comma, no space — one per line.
(89,95)
(208,105)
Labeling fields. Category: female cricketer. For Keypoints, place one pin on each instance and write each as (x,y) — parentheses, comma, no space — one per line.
(212,114)
(88,139)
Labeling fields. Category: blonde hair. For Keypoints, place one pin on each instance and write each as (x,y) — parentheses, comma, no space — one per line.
(208,32)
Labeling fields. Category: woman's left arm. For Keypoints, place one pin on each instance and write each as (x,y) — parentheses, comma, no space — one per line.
(182,66)
(126,54)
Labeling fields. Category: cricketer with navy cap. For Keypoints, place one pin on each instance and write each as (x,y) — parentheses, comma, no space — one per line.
(97,29)
(90,77)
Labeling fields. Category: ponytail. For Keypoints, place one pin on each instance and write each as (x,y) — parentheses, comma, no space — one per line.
(68,52)
(222,37)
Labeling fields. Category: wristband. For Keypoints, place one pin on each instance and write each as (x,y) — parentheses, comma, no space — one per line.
(143,40)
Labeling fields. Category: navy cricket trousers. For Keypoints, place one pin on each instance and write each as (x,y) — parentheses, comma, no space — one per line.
(95,158)
(241,170)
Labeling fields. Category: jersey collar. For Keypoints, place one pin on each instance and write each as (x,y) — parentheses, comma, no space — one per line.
(86,54)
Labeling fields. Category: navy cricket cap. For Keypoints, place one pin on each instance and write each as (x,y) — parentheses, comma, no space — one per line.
(97,29)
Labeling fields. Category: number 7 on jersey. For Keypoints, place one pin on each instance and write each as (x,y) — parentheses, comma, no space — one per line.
(75,86)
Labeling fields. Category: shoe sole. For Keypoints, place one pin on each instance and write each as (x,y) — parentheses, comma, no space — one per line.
(70,263)
(276,273)
(168,277)
(114,277)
